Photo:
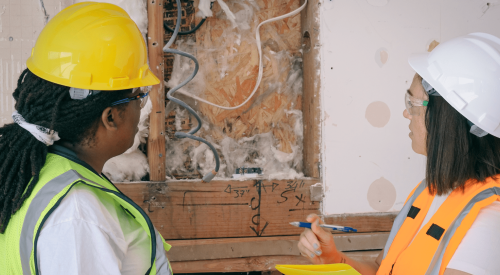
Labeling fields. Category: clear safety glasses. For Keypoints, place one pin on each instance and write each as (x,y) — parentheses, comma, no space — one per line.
(143,97)
(411,102)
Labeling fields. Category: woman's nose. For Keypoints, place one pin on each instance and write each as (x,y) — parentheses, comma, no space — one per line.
(406,114)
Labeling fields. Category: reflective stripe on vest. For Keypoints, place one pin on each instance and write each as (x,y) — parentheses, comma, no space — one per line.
(38,204)
(433,246)
(42,199)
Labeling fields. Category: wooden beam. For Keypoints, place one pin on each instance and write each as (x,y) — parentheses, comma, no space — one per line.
(364,222)
(311,106)
(156,138)
(226,248)
(263,263)
(224,209)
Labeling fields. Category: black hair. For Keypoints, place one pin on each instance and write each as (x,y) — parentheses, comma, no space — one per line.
(22,156)
(454,155)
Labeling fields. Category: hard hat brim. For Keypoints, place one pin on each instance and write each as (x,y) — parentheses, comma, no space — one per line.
(148,80)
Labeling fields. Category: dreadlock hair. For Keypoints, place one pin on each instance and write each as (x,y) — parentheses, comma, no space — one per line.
(22,156)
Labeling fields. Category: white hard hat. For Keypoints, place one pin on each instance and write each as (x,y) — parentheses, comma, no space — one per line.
(466,73)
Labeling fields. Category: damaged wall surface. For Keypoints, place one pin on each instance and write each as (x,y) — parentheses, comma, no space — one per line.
(369,164)
(20,23)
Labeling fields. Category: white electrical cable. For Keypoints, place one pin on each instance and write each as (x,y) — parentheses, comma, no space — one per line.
(259,47)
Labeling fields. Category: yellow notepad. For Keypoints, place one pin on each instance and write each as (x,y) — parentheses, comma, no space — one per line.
(324,269)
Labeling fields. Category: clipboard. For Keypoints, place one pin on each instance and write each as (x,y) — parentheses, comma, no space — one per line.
(323,269)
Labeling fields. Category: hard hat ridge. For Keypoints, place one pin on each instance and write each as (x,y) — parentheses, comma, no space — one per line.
(465,71)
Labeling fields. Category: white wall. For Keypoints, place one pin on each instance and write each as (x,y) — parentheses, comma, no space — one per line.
(367,155)
(20,23)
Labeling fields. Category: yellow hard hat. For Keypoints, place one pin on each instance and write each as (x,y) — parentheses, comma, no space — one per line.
(93,46)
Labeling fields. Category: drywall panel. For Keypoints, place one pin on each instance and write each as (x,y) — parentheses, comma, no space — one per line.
(368,163)
(20,23)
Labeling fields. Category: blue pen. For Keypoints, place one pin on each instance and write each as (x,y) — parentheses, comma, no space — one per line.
(332,227)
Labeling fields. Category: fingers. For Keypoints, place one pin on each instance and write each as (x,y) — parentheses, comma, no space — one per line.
(313,242)
(305,251)
(323,235)
(310,242)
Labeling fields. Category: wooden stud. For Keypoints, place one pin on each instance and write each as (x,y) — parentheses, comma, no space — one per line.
(364,222)
(311,106)
(224,209)
(262,263)
(156,138)
(226,248)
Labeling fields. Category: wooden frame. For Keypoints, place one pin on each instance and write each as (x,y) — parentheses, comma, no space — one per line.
(311,96)
(156,138)
(239,226)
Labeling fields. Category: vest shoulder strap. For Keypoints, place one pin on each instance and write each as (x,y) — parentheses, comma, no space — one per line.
(48,198)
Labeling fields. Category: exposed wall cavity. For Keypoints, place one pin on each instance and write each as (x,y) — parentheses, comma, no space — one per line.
(260,150)
(265,133)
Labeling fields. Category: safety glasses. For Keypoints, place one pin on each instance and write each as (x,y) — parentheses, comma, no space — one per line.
(411,102)
(143,97)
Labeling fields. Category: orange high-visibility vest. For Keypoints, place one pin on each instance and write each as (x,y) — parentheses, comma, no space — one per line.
(434,245)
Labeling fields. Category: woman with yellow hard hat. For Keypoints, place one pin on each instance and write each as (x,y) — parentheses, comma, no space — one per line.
(450,222)
(77,105)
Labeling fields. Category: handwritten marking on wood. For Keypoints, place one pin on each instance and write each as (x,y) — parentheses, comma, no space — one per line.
(223,209)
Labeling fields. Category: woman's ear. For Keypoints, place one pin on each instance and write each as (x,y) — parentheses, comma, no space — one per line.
(108,118)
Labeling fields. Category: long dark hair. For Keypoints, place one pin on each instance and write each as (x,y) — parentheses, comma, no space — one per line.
(22,156)
(454,155)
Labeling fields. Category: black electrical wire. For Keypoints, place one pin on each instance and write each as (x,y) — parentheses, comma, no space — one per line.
(208,177)
(191,30)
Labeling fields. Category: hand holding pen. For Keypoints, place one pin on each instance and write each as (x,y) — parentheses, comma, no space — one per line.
(317,243)
(328,226)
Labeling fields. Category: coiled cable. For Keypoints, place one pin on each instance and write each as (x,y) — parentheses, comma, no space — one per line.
(209,176)
(191,30)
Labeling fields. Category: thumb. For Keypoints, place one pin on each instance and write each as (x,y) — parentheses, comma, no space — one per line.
(322,235)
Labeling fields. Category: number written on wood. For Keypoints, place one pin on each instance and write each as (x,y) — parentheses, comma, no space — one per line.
(238,191)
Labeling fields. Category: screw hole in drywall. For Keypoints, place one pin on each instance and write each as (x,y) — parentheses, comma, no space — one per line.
(306,42)
(11,38)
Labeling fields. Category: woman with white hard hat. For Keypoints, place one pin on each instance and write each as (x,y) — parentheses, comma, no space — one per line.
(77,105)
(450,222)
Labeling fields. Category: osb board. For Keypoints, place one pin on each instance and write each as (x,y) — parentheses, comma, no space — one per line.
(261,263)
(224,209)
(226,248)
(217,47)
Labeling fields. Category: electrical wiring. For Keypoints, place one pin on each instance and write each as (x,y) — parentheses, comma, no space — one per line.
(209,176)
(259,76)
(191,30)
